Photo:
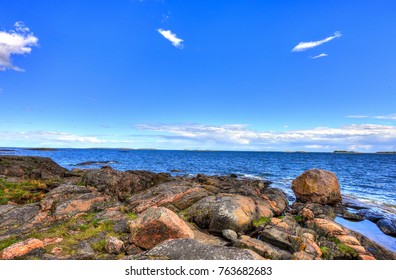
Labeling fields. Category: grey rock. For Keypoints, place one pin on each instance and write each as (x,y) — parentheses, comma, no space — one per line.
(190,249)
(230,234)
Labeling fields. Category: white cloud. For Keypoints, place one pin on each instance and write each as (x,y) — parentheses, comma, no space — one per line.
(48,136)
(236,135)
(380,117)
(177,42)
(303,46)
(14,42)
(386,117)
(319,56)
(358,116)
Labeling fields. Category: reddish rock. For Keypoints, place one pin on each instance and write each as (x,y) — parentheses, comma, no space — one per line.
(307,214)
(84,203)
(155,225)
(319,186)
(56,251)
(327,228)
(123,184)
(21,248)
(303,256)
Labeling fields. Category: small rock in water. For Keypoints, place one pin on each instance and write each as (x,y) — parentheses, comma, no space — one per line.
(230,234)
(387,226)
(352,216)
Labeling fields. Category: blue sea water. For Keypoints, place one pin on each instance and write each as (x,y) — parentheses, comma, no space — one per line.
(366,177)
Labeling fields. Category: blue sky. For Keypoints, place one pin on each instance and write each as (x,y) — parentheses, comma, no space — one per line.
(229,75)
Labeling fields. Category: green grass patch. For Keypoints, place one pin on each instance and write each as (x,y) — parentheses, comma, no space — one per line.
(22,192)
(298,218)
(76,230)
(261,222)
(325,252)
(99,246)
(132,216)
(345,249)
(8,242)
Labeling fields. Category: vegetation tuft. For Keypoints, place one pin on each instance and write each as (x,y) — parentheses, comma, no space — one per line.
(261,222)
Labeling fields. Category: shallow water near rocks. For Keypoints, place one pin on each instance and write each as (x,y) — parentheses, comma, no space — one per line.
(371,231)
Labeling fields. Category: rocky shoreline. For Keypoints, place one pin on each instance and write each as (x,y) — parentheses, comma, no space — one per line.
(48,212)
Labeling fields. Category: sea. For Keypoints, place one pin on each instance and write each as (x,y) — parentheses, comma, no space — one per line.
(368,179)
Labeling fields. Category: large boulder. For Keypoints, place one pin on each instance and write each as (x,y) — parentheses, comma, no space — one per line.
(123,184)
(228,211)
(155,225)
(191,249)
(318,186)
(28,167)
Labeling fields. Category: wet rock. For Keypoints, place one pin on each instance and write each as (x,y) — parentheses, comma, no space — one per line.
(352,216)
(227,211)
(372,215)
(230,234)
(387,226)
(318,186)
(262,248)
(28,167)
(114,245)
(96,163)
(123,184)
(21,249)
(155,225)
(190,249)
(379,252)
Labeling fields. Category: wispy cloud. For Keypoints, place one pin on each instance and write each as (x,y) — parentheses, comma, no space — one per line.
(303,46)
(14,42)
(48,136)
(319,56)
(380,117)
(177,42)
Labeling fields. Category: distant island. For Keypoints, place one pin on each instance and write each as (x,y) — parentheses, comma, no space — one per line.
(346,152)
